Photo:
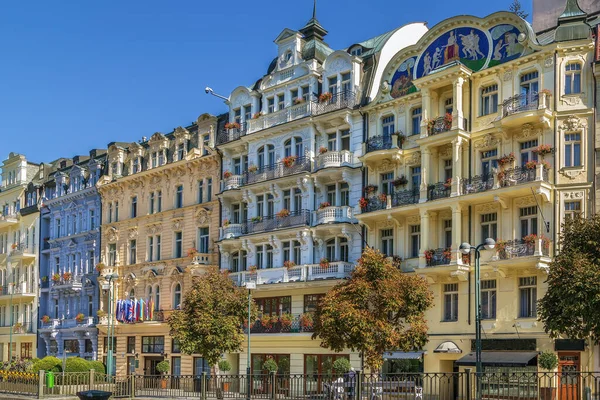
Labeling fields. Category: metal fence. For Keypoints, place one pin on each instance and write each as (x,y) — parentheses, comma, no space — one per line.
(465,385)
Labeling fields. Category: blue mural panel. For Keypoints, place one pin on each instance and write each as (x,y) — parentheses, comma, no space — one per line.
(402,81)
(505,39)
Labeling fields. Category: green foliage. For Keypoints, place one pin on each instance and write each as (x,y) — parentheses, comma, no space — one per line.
(211,319)
(517,8)
(571,303)
(163,367)
(377,310)
(341,365)
(548,360)
(224,366)
(76,364)
(98,366)
(270,365)
(48,363)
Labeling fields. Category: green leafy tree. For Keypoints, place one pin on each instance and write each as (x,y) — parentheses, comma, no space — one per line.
(571,303)
(211,318)
(517,8)
(377,310)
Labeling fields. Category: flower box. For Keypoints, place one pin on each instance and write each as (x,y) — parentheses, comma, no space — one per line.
(289,264)
(401,181)
(324,263)
(46,319)
(289,161)
(363,203)
(227,174)
(543,150)
(322,150)
(192,252)
(306,321)
(232,125)
(225,222)
(252,168)
(257,115)
(56,278)
(299,100)
(283,213)
(370,189)
(79,318)
(448,183)
(324,204)
(506,159)
(547,92)
(256,219)
(67,276)
(325,97)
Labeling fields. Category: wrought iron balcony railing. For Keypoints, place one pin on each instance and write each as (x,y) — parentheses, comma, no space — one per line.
(439,125)
(519,103)
(477,184)
(229,135)
(278,170)
(438,190)
(284,323)
(527,247)
(437,257)
(381,142)
(518,175)
(298,273)
(405,197)
(266,223)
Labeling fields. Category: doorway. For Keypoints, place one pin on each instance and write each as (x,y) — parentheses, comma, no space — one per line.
(569,367)
(150,364)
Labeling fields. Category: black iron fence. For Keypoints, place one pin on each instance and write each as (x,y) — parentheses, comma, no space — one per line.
(438,191)
(520,103)
(381,142)
(477,184)
(495,383)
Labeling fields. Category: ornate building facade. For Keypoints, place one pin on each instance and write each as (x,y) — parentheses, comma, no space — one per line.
(159,226)
(70,229)
(19,244)
(482,130)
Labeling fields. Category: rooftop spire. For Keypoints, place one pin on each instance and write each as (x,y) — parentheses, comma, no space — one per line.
(313,28)
(315,9)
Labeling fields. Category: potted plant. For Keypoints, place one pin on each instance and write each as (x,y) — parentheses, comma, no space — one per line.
(227,174)
(325,97)
(257,115)
(448,183)
(545,164)
(224,366)
(324,205)
(232,125)
(289,161)
(363,203)
(46,319)
(17,327)
(100,266)
(506,159)
(370,189)
(289,264)
(270,365)
(252,168)
(543,150)
(101,313)
(401,138)
(14,246)
(56,277)
(548,361)
(447,254)
(283,213)
(530,239)
(252,268)
(382,197)
(322,150)
(306,321)
(531,164)
(79,318)
(286,321)
(44,279)
(547,92)
(67,276)
(324,263)
(341,365)
(466,259)
(429,255)
(267,321)
(163,367)
(400,181)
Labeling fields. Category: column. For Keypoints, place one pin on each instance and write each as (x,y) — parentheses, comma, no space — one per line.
(456,234)
(457,106)
(424,238)
(426,104)
(457,172)
(425,163)
(81,342)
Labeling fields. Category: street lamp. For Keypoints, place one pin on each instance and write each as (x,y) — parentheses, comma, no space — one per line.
(110,333)
(249,286)
(466,248)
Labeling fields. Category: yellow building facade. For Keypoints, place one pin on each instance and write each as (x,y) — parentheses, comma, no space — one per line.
(159,225)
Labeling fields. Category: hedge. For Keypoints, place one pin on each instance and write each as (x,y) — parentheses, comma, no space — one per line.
(48,363)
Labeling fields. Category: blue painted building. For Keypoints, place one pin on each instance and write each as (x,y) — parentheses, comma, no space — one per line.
(70,232)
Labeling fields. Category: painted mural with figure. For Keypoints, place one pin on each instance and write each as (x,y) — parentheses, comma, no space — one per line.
(475,48)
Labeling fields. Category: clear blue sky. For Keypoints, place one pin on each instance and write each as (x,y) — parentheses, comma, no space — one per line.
(77,75)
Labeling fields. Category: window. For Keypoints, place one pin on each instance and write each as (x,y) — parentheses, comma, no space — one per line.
(153,344)
(274,305)
(415,173)
(297,200)
(131,344)
(287,199)
(572,209)
(26,350)
(489,160)
(132,251)
(58,226)
(528,297)
(175,346)
(116,211)
(488,299)
(489,226)
(573,78)
(205,144)
(150,254)
(159,201)
(201,192)
(447,170)
(331,194)
(332,87)
(311,302)
(161,158)
(416,116)
(489,100)
(203,240)
(92,216)
(280,101)
(134,207)
(112,254)
(344,194)
(178,248)
(177,297)
(208,189)
(180,151)
(447,224)
(387,242)
(157,242)
(179,197)
(237,115)
(572,149)
(529,87)
(415,240)
(346,84)
(386,183)
(271,104)
(90,306)
(528,220)
(305,93)
(247,113)
(151,203)
(135,165)
(387,125)
(450,302)
(448,106)
(527,153)
(356,51)
(176,363)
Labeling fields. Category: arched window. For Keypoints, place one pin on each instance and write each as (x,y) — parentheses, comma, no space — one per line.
(177,296)
(293,147)
(266,156)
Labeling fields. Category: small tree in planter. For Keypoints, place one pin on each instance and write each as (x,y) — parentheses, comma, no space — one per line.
(547,361)
(341,365)
(224,367)
(270,365)
(163,367)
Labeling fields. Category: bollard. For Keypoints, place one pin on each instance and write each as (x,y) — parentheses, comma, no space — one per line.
(468,383)
(41,379)
(204,385)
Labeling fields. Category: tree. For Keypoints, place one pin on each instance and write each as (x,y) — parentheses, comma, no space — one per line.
(517,8)
(211,319)
(571,303)
(378,309)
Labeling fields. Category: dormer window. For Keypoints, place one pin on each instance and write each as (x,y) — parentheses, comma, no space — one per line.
(154,160)
(346,83)
(247,112)
(135,165)
(332,87)
(180,151)
(161,158)
(356,51)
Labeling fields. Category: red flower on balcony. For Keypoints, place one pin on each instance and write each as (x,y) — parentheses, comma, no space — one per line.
(543,150)
(370,189)
(506,159)
(45,319)
(227,174)
(67,276)
(324,204)
(324,97)
(448,121)
(283,213)
(79,318)
(306,320)
(324,263)
(257,115)
(289,264)
(383,197)
(56,278)
(363,203)
(322,150)
(448,183)
(429,255)
(289,161)
(232,125)
(192,252)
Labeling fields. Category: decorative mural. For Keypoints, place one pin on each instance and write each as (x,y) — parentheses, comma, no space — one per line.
(475,48)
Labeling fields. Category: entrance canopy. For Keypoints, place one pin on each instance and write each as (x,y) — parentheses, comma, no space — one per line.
(447,347)
(501,358)
(403,355)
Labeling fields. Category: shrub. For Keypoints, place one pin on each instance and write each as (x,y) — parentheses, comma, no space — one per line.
(163,367)
(548,360)
(76,364)
(270,365)
(48,363)
(341,365)
(98,366)
(224,366)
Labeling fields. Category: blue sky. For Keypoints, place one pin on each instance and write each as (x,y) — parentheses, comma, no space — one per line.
(76,75)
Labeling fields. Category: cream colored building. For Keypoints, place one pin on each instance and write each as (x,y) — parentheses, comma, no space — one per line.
(19,251)
(469,94)
(159,224)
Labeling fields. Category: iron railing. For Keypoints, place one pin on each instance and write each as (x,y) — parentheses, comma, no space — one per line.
(439,125)
(437,257)
(516,176)
(438,190)
(381,142)
(477,184)
(405,197)
(229,135)
(520,103)
(268,223)
(340,100)
(285,323)
(278,170)
(522,248)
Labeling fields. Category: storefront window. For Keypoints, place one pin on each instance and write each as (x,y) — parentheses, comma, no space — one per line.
(282,361)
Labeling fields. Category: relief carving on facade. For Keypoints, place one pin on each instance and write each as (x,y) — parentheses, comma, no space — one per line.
(487,141)
(413,159)
(525,201)
(572,123)
(486,208)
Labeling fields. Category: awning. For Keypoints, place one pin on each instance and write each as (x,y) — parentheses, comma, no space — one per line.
(403,355)
(447,347)
(501,358)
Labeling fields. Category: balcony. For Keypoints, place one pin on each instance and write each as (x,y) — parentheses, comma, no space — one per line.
(440,190)
(380,147)
(333,214)
(265,224)
(21,252)
(439,125)
(530,246)
(18,289)
(70,323)
(525,108)
(477,184)
(285,323)
(281,117)
(8,219)
(229,135)
(437,257)
(519,175)
(278,170)
(202,259)
(338,101)
(333,159)
(72,284)
(398,198)
(233,182)
(381,142)
(300,273)
(17,328)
